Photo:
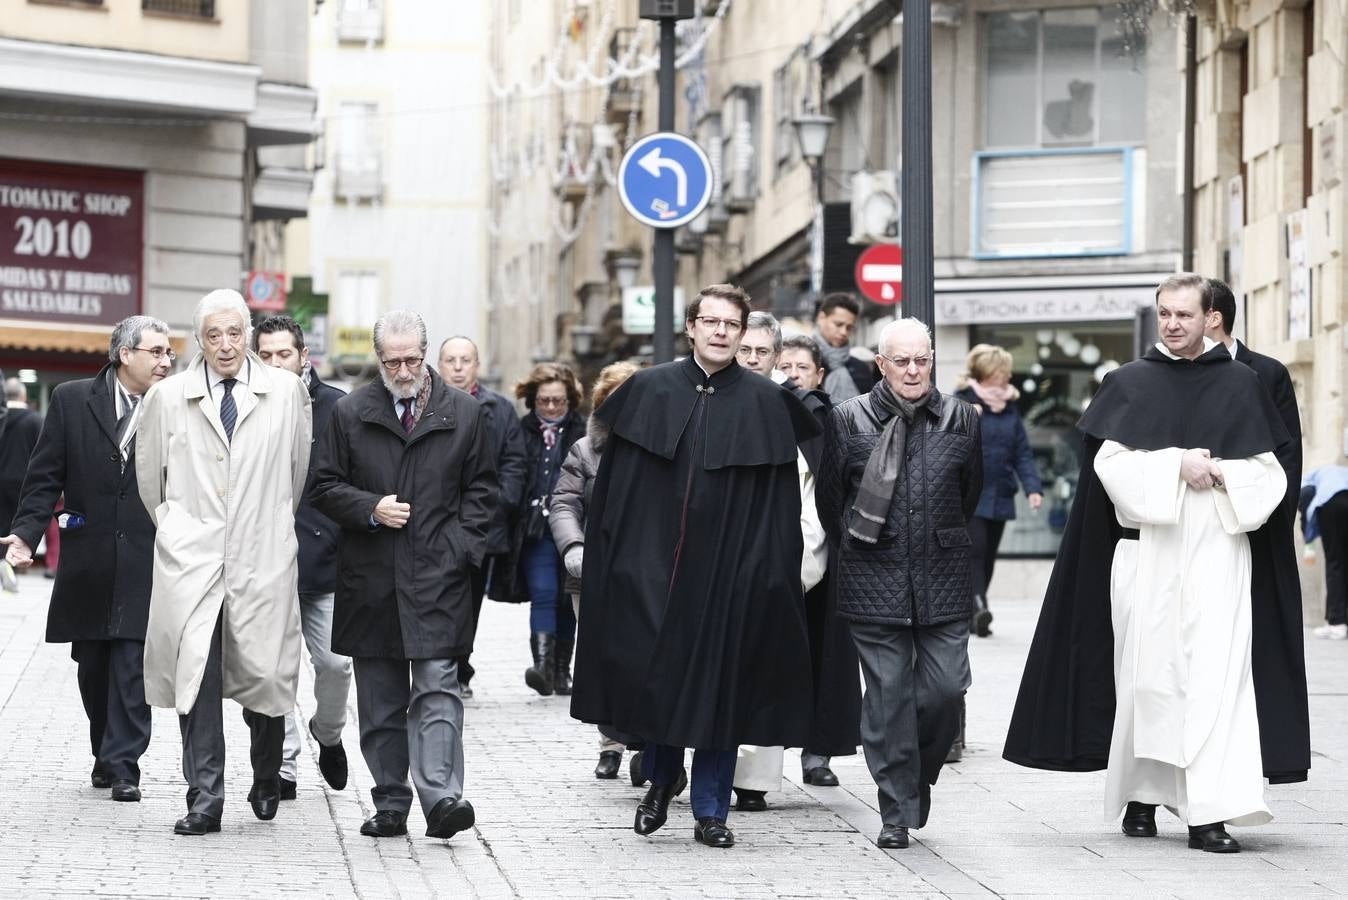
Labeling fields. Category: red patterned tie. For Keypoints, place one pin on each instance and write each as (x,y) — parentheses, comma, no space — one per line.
(408,421)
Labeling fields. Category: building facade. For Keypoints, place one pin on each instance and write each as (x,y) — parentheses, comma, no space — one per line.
(149,151)
(1055,152)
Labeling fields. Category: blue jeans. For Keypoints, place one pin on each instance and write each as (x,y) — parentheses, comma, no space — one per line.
(713,776)
(543,574)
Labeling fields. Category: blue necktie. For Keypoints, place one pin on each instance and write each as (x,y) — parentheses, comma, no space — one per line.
(229,412)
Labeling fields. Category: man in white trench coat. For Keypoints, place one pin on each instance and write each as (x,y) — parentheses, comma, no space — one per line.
(221,460)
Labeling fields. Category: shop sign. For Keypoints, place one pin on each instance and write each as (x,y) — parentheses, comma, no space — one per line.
(71,243)
(639,310)
(1049,305)
(266,291)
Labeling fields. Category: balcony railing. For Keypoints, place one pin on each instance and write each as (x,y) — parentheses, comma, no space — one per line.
(192,9)
(1030,203)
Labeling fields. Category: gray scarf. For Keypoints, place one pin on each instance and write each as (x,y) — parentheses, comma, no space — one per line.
(838,383)
(871,506)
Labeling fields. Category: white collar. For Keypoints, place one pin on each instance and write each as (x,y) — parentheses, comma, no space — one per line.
(213,377)
(1208,344)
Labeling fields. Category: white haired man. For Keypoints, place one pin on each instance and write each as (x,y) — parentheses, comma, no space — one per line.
(221,457)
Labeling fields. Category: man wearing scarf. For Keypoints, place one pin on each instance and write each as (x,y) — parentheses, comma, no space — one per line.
(848,375)
(900,476)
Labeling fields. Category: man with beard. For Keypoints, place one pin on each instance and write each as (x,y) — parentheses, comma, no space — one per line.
(279,342)
(405,468)
(694,517)
(847,374)
(458,366)
(221,455)
(102,594)
(1155,565)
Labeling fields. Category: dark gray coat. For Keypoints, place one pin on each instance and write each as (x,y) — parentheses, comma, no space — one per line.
(102,587)
(403,593)
(918,573)
(571,496)
(316,533)
(507,447)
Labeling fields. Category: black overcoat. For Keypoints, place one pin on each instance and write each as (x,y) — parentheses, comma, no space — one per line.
(694,627)
(403,593)
(19,429)
(315,532)
(1064,712)
(102,588)
(1275,594)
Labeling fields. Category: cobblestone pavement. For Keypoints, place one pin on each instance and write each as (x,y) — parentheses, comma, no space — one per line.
(547,828)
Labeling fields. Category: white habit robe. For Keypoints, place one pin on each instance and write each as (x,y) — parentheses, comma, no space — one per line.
(1186,733)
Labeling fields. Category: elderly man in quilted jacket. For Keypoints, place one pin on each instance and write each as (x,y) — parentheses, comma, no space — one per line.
(900,476)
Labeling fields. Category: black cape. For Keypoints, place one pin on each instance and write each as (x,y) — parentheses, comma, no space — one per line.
(694,627)
(1064,713)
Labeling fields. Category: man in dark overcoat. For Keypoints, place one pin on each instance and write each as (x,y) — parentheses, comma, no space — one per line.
(405,469)
(1275,582)
(459,363)
(694,626)
(101,598)
(19,428)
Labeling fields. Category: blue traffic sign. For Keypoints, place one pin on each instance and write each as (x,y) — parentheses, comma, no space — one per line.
(665,180)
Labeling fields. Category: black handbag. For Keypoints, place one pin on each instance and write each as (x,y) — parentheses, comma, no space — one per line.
(536,520)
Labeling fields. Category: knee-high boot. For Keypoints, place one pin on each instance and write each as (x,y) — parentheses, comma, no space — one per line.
(539,675)
(562,674)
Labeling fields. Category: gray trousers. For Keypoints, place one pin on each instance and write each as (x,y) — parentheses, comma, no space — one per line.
(332,682)
(420,727)
(203,731)
(910,713)
(112,686)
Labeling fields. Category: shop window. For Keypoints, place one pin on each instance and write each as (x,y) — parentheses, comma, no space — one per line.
(1060,78)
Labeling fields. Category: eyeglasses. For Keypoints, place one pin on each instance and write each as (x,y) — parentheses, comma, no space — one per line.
(712,323)
(550,401)
(157,352)
(412,362)
(746,351)
(903,362)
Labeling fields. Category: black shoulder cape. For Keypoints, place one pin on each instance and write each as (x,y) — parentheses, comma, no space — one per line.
(1064,714)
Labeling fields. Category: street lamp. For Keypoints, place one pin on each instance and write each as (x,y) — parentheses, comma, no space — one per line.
(812,132)
(623,265)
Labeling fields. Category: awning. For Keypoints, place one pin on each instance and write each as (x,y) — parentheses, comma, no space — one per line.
(21,335)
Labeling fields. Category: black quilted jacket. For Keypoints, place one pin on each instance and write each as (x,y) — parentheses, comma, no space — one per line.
(918,573)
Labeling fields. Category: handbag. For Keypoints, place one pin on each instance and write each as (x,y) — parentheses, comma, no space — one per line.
(536,520)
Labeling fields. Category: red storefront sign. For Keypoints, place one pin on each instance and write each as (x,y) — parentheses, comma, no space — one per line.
(71,243)
(266,291)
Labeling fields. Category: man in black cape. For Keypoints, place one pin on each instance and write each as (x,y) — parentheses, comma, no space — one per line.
(694,627)
(1275,589)
(1064,712)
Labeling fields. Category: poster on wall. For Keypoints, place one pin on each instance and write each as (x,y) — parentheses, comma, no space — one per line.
(71,243)
(1298,278)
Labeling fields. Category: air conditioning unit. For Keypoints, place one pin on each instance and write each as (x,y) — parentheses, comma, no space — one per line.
(875,207)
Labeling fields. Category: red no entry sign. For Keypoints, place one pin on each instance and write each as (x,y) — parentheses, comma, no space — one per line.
(879,273)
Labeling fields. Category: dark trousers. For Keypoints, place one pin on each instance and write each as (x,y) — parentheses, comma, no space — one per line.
(478,580)
(985,536)
(1333,519)
(112,686)
(203,731)
(713,776)
(910,713)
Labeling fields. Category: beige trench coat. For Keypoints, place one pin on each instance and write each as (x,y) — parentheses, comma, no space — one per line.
(225,542)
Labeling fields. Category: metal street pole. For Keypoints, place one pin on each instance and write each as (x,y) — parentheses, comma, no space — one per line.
(916,234)
(663,268)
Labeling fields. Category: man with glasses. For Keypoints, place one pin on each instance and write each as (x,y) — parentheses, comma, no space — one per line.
(222,452)
(406,469)
(102,594)
(901,472)
(694,628)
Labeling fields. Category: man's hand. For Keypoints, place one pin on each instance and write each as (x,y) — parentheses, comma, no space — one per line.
(1036,501)
(19,555)
(1199,471)
(390,513)
(574,559)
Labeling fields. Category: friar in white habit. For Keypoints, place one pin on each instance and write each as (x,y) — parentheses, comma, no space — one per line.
(1179,469)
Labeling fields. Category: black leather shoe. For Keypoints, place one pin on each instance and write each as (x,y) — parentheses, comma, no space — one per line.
(609,763)
(124,791)
(465,692)
(634,770)
(981,621)
(448,817)
(196,824)
(892,837)
(265,798)
(331,762)
(653,810)
(1212,839)
(1139,819)
(713,833)
(821,776)
(100,779)
(750,801)
(385,823)
(289,789)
